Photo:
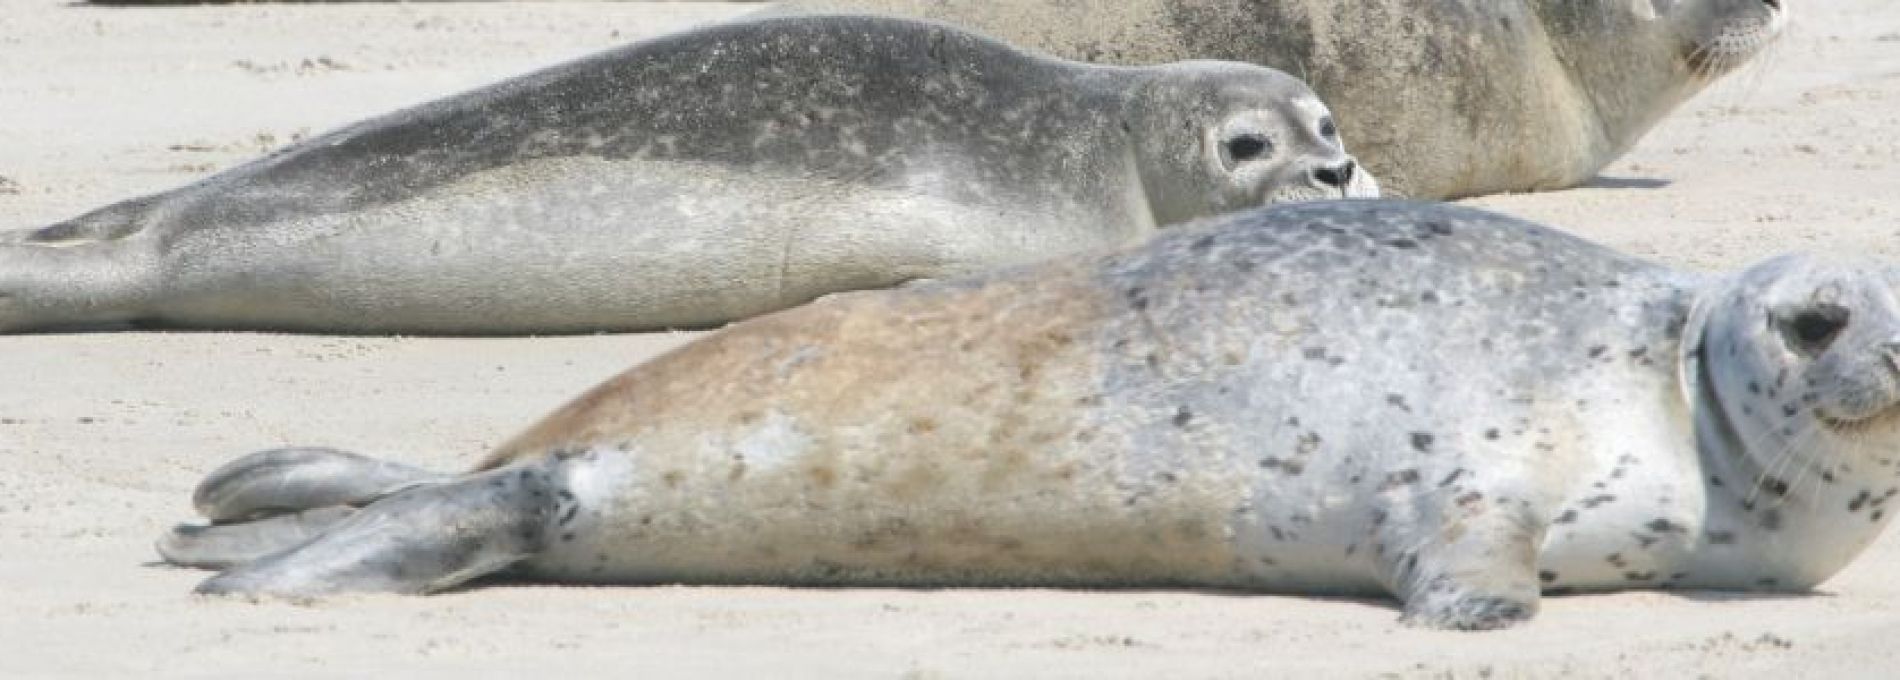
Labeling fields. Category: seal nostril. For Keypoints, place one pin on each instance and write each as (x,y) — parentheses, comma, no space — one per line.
(1337,176)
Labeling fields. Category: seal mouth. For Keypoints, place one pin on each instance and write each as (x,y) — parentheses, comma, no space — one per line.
(1858,425)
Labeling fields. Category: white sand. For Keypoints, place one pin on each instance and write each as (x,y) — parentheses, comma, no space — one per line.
(103,435)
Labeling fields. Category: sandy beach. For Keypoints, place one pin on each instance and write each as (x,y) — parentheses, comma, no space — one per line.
(103,435)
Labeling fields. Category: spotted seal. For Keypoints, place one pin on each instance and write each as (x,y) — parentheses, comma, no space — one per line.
(688,181)
(1442,98)
(1454,407)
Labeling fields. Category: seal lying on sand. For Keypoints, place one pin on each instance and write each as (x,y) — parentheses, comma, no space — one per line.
(689,181)
(1441,98)
(1450,406)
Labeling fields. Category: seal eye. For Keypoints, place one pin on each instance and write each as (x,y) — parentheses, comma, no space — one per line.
(1327,129)
(1811,330)
(1247,147)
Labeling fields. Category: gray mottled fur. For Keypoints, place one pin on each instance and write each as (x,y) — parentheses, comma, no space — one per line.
(684,181)
(1457,408)
(1442,98)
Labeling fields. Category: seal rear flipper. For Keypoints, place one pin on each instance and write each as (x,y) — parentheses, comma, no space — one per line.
(289,480)
(90,284)
(421,540)
(220,546)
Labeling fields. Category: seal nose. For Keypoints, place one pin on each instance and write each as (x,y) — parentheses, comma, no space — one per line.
(1337,176)
(1772,4)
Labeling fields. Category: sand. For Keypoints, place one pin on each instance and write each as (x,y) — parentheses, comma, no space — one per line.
(103,435)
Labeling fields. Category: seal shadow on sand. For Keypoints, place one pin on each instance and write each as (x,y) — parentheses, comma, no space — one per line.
(1608,182)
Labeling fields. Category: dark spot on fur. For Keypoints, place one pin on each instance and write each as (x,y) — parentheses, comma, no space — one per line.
(1491,434)
(1469,498)
(1715,481)
(1767,582)
(1397,401)
(1639,575)
(1308,443)
(1771,519)
(1566,518)
(1859,501)
(1402,243)
(1547,576)
(1616,560)
(1663,526)
(1422,442)
(1183,417)
(1772,485)
(1455,474)
(1598,350)
(1398,479)
(1600,499)
(1202,244)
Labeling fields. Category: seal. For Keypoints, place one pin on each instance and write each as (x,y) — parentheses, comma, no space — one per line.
(1454,407)
(1441,98)
(689,181)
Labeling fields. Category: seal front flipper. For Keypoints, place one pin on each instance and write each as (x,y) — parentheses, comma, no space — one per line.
(1461,558)
(221,546)
(422,540)
(289,480)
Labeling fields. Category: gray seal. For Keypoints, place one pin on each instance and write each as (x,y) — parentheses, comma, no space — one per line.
(689,181)
(1459,409)
(1441,98)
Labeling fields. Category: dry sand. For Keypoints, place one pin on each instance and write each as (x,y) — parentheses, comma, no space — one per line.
(103,435)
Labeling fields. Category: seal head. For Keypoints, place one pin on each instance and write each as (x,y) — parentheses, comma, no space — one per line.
(1262,137)
(1804,406)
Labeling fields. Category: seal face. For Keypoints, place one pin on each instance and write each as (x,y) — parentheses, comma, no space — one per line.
(1442,98)
(1449,406)
(687,181)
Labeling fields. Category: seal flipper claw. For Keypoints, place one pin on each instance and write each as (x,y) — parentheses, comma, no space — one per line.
(221,546)
(421,540)
(289,480)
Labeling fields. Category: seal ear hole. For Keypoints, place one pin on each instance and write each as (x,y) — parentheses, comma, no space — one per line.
(1246,147)
(1811,330)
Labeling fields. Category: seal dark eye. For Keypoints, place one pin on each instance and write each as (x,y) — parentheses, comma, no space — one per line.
(1327,129)
(1243,148)
(1811,330)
